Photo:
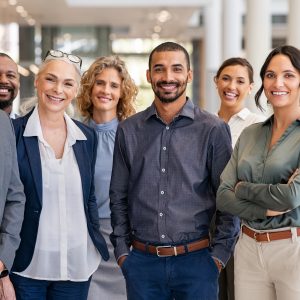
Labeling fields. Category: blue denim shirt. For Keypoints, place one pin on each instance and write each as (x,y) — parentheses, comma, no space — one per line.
(165,178)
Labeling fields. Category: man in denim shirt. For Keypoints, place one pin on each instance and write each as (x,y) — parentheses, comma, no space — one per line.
(166,171)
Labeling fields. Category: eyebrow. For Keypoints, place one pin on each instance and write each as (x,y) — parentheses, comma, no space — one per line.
(66,79)
(162,65)
(284,71)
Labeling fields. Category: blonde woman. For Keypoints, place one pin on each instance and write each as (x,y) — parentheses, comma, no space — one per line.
(61,245)
(106,98)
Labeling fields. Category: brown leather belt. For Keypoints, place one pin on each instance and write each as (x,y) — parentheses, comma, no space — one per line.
(163,251)
(269,236)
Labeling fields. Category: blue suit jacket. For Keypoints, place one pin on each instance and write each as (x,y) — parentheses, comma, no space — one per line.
(31,175)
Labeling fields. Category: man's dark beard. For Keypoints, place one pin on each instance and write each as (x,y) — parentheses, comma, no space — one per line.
(6,103)
(165,99)
(168,100)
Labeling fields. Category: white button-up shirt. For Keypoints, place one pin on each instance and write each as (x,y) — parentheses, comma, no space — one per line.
(240,121)
(63,249)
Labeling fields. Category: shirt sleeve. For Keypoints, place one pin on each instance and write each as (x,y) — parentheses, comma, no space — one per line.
(120,237)
(279,197)
(227,199)
(226,225)
(13,210)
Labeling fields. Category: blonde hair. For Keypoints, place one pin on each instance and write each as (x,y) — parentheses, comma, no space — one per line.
(49,59)
(129,90)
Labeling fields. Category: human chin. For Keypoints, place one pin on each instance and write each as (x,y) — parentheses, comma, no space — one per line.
(168,98)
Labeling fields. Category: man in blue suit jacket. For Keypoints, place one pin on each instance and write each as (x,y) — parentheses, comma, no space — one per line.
(12,200)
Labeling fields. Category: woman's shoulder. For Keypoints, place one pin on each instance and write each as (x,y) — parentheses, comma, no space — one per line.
(84,127)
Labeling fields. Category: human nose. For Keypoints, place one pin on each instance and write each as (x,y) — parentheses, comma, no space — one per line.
(107,89)
(58,87)
(167,75)
(279,81)
(3,78)
(232,85)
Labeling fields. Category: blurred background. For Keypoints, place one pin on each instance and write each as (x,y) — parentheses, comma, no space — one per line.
(211,30)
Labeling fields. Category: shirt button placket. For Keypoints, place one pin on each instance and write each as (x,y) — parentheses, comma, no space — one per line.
(163,185)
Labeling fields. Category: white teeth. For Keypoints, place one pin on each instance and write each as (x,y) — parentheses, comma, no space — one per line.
(279,93)
(55,98)
(168,87)
(231,94)
(3,90)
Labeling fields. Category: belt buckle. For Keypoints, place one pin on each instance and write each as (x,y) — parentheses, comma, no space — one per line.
(167,246)
(257,233)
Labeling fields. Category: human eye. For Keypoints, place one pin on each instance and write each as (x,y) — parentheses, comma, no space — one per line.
(241,81)
(177,69)
(11,76)
(289,75)
(225,78)
(115,85)
(69,84)
(158,69)
(49,78)
(99,82)
(269,75)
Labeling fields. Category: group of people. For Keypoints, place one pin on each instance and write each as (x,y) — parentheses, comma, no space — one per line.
(158,195)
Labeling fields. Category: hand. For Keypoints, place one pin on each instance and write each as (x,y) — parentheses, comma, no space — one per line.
(274,213)
(8,289)
(237,184)
(219,265)
(293,176)
(121,260)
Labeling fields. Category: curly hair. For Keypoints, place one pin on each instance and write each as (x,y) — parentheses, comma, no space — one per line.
(129,90)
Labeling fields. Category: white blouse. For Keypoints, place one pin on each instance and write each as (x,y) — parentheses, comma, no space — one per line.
(240,121)
(63,249)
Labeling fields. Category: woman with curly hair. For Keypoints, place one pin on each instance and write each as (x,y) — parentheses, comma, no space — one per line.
(106,98)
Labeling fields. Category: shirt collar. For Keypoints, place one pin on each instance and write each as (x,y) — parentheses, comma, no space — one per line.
(186,111)
(270,120)
(33,128)
(243,114)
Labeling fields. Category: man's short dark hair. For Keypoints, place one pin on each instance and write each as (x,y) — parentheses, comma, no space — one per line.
(170,46)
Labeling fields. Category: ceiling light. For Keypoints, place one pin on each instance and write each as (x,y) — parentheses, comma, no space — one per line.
(157,29)
(34,69)
(24,14)
(23,71)
(155,36)
(31,22)
(163,16)
(12,2)
(20,9)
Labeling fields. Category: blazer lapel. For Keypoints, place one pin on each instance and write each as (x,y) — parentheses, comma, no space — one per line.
(33,153)
(80,155)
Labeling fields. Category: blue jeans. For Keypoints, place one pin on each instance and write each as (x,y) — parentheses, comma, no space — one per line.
(34,289)
(192,276)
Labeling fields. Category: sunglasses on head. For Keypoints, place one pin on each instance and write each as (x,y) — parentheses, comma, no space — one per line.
(59,54)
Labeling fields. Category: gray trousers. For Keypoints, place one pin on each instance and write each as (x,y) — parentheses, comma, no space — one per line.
(107,282)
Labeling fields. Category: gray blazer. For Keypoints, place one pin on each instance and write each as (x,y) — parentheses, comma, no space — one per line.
(12,198)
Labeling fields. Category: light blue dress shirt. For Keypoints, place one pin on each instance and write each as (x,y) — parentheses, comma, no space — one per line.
(106,133)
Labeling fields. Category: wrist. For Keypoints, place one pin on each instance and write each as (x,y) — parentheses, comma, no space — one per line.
(218,263)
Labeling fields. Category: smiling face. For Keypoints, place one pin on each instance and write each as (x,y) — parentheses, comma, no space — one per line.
(169,75)
(233,85)
(56,85)
(9,81)
(106,92)
(282,83)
